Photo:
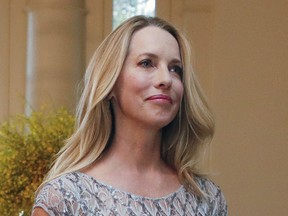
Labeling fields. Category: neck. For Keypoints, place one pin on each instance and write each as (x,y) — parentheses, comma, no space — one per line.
(135,149)
(134,157)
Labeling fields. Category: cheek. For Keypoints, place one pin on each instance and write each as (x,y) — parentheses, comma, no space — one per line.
(137,83)
(131,86)
(179,89)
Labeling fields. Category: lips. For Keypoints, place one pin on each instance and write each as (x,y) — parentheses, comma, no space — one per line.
(160,98)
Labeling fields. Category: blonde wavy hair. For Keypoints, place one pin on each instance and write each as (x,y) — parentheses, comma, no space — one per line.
(183,140)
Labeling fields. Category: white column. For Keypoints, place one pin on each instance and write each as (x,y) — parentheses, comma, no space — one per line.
(4,60)
(55,52)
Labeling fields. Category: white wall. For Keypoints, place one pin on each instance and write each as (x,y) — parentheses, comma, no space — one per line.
(250,101)
(12,57)
(241,52)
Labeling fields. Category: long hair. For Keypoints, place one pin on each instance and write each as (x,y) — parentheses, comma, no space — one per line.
(183,140)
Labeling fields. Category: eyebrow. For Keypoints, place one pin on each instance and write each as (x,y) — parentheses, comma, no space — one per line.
(152,55)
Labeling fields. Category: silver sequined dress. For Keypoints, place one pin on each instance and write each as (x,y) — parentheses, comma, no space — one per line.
(79,194)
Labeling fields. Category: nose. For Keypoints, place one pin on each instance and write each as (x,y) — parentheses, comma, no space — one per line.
(163,79)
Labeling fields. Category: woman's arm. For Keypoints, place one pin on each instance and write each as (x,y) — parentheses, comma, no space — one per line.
(39,212)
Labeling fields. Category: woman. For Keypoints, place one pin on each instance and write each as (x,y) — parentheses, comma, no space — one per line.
(142,126)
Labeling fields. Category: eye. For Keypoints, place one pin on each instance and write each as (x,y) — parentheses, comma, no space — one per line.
(177,69)
(146,63)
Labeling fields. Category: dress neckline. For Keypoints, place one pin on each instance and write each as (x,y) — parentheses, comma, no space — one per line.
(134,196)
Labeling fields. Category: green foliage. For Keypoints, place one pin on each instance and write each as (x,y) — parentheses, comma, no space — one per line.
(27,148)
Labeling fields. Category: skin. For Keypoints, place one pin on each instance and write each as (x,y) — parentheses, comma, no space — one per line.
(145,98)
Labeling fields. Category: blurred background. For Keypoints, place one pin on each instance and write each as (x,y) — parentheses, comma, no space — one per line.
(240,53)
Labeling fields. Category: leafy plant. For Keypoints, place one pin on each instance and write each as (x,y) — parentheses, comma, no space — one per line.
(27,148)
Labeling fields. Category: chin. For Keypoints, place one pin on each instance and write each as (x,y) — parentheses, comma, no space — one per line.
(162,122)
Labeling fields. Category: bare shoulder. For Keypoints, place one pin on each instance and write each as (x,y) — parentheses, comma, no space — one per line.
(39,212)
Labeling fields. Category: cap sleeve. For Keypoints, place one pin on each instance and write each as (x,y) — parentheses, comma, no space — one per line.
(220,204)
(51,200)
(214,197)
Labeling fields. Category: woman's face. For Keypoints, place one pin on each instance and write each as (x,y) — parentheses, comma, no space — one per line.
(149,89)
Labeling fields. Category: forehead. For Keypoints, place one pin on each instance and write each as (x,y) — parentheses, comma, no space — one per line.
(154,40)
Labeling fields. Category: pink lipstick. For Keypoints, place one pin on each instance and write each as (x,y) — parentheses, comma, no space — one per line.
(160,98)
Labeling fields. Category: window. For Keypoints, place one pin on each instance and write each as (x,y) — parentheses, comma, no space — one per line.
(124,9)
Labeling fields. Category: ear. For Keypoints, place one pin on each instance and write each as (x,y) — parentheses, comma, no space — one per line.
(110,95)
